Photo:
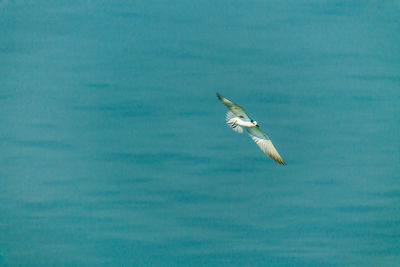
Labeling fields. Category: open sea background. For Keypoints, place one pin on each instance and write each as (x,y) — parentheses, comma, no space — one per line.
(114,148)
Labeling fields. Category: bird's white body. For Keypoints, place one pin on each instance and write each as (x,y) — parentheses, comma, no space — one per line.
(240,122)
(237,119)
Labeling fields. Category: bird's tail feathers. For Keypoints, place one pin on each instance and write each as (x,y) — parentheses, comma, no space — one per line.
(229,115)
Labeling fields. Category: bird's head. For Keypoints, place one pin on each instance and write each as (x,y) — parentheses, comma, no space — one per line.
(254,123)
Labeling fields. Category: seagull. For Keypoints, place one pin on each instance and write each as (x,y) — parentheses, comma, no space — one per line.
(237,118)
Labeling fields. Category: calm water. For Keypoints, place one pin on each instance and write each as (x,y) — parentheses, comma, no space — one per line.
(114,149)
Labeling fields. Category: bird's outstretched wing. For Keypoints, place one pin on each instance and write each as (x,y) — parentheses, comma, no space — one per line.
(234,108)
(264,143)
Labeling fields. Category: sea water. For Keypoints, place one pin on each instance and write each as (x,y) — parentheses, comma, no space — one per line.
(114,148)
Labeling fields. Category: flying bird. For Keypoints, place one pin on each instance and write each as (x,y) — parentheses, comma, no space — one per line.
(237,119)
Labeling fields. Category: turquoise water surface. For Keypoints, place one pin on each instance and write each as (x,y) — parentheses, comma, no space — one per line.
(115,152)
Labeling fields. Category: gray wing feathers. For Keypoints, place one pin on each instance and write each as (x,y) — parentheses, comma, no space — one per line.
(234,108)
(262,140)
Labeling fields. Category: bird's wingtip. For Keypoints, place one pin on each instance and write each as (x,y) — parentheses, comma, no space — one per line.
(281,161)
(278,159)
